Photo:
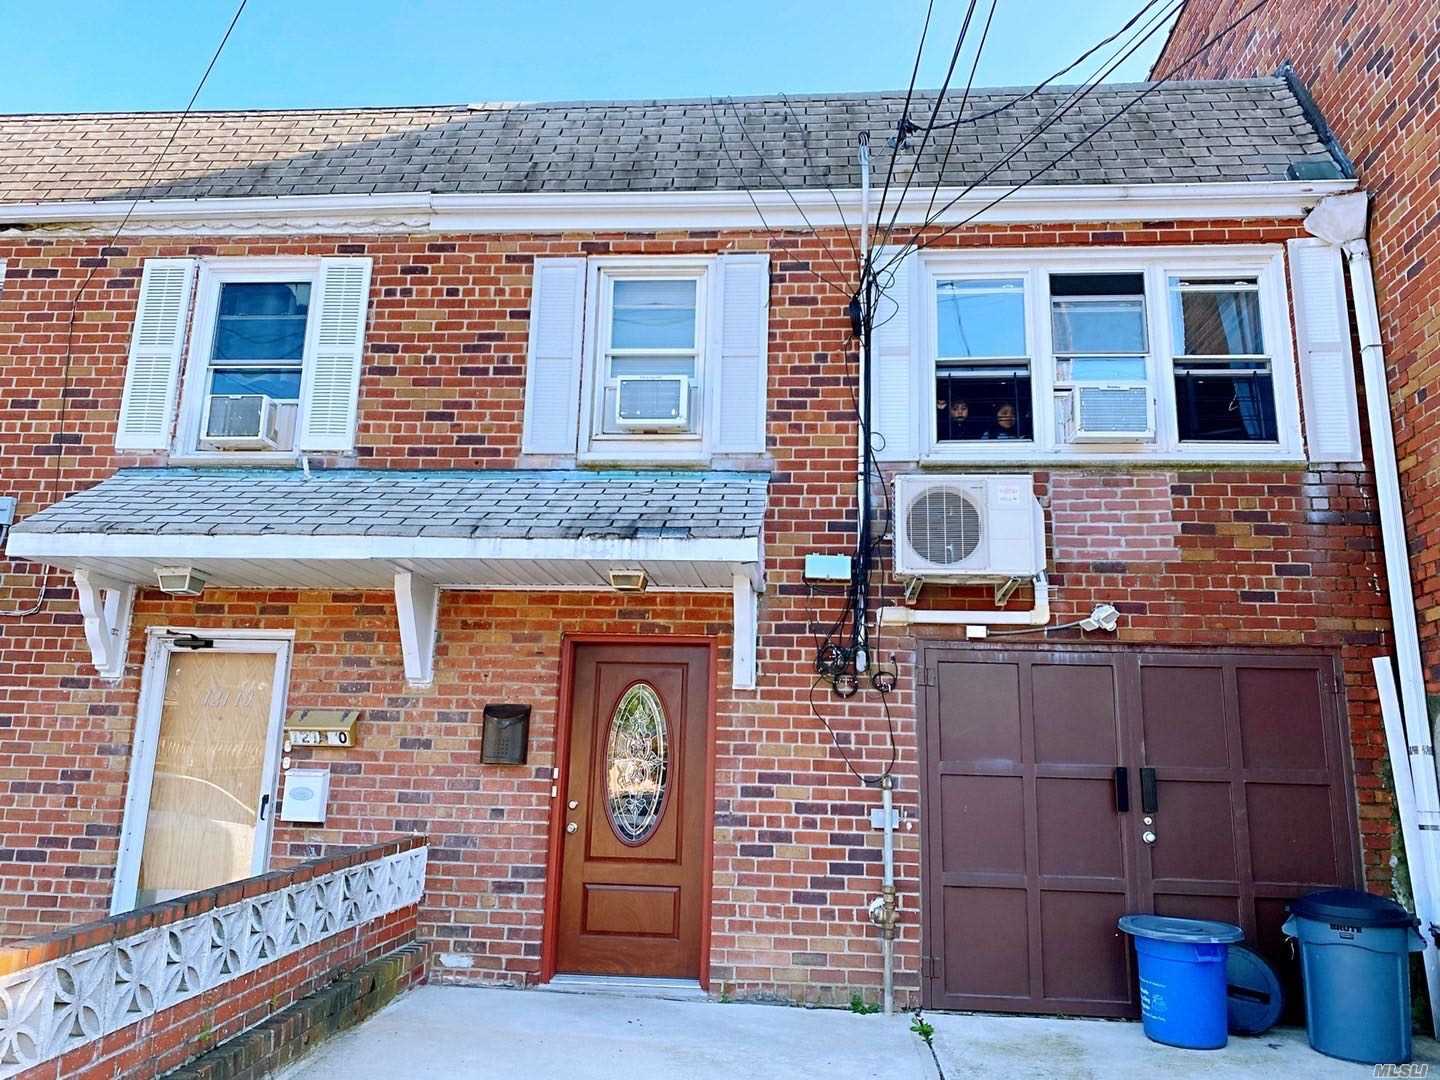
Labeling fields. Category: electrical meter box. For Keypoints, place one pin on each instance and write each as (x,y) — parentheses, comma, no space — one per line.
(307,791)
(321,727)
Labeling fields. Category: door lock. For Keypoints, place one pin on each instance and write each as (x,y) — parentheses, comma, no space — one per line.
(573,804)
(1148,836)
(571,827)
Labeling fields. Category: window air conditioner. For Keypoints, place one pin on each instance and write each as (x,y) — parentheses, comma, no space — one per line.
(652,402)
(1113,412)
(240,422)
(968,528)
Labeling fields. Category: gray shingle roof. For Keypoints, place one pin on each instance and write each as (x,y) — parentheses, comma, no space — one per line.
(1186,131)
(478,503)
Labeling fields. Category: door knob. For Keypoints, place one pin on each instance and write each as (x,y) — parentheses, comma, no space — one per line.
(1148,836)
(571,827)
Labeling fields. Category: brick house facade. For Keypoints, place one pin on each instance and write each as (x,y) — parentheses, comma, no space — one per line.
(1370,69)
(1201,555)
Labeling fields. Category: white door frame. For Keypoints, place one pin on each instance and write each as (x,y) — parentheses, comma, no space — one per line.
(158,650)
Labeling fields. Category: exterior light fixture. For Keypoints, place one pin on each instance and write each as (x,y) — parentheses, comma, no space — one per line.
(1104,617)
(627,580)
(180,580)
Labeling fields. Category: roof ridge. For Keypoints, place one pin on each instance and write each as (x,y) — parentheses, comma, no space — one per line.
(610,103)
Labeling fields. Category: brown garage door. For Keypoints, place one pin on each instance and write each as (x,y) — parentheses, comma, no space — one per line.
(1041,768)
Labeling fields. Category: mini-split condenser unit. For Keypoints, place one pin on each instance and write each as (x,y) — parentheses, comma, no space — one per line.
(652,402)
(241,422)
(984,527)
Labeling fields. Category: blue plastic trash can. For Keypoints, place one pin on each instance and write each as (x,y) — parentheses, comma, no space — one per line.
(1355,963)
(1183,999)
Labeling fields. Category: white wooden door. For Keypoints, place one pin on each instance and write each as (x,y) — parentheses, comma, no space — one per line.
(201,800)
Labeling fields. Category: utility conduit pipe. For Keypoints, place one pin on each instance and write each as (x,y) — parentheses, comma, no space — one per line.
(1038,615)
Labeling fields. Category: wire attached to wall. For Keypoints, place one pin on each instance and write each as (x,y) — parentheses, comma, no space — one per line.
(79,292)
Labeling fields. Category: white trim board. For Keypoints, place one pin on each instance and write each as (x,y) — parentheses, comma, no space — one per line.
(159,648)
(179,547)
(649,210)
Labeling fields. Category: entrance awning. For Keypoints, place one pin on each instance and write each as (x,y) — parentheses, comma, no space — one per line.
(414,531)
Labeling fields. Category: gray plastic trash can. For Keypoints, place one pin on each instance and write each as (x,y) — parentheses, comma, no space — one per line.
(1355,960)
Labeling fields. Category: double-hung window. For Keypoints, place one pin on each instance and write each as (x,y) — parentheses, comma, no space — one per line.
(253,373)
(1102,357)
(651,356)
(1098,354)
(982,372)
(1224,381)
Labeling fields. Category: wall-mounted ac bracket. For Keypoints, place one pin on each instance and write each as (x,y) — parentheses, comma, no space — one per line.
(1005,589)
(912,589)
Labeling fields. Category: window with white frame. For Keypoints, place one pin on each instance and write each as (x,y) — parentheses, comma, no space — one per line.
(649,357)
(1110,353)
(982,370)
(1224,385)
(253,372)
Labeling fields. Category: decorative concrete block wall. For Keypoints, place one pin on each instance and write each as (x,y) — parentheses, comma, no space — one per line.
(164,983)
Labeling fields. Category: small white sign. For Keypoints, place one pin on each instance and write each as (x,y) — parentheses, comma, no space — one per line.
(307,791)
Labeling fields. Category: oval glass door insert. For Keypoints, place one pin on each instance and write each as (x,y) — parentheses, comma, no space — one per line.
(637,765)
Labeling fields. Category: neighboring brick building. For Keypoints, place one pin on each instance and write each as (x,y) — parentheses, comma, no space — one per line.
(435,292)
(1370,66)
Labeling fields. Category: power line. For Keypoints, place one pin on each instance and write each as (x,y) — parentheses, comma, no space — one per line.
(964,99)
(904,118)
(1070,102)
(1141,96)
(85,284)
(740,121)
(805,146)
(961,119)
(905,124)
(740,176)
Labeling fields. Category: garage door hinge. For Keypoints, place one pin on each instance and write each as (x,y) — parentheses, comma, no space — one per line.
(926,675)
(930,967)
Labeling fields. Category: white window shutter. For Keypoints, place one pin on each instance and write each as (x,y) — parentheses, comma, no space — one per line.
(892,376)
(744,337)
(152,377)
(1327,363)
(552,374)
(330,385)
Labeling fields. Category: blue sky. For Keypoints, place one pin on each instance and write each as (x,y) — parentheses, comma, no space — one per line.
(74,55)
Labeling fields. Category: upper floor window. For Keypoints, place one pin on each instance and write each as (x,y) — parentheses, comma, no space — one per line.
(982,372)
(1110,352)
(1224,386)
(652,359)
(638,359)
(257,352)
(267,359)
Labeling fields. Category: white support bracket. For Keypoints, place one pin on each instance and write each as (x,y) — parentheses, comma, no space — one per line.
(417,605)
(106,606)
(746,619)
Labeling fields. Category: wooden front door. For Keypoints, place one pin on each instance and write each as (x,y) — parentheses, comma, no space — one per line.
(1065,787)
(632,875)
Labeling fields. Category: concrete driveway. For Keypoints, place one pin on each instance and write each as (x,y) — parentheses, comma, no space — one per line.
(445,1031)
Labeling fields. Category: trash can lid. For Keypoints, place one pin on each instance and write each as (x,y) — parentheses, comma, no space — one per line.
(1253,996)
(1189,931)
(1352,908)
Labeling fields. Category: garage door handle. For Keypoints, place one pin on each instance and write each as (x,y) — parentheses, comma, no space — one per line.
(1122,789)
(1149,803)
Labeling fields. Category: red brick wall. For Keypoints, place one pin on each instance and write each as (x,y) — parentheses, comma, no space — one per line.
(1373,67)
(795,859)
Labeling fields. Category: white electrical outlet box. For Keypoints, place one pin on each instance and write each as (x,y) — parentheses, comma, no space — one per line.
(827,567)
(307,791)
